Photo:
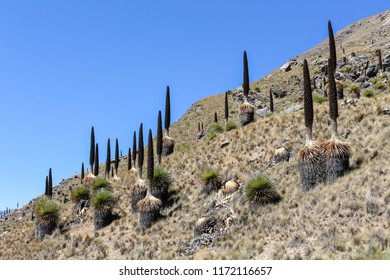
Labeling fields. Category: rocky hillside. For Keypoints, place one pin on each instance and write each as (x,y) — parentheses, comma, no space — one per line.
(348,219)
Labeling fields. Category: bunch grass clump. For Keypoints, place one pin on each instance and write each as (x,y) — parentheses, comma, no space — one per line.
(149,208)
(80,193)
(217,128)
(161,181)
(260,190)
(319,99)
(47,211)
(103,201)
(211,180)
(100,183)
(230,126)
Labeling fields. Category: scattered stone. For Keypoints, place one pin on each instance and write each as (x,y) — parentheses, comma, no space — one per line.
(386,62)
(350,101)
(286,67)
(346,134)
(225,143)
(365,85)
(257,157)
(294,109)
(361,79)
(385,112)
(262,113)
(280,154)
(371,71)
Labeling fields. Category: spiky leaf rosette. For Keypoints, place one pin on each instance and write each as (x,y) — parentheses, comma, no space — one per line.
(226,107)
(159,137)
(149,209)
(140,150)
(333,107)
(137,192)
(332,48)
(100,183)
(150,158)
(311,166)
(168,146)
(211,180)
(116,165)
(246,113)
(336,156)
(260,190)
(162,179)
(245,84)
(80,193)
(96,170)
(92,149)
(307,101)
(103,202)
(47,214)
(167,121)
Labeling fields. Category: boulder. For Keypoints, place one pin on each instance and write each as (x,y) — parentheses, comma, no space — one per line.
(286,67)
(262,113)
(294,108)
(372,70)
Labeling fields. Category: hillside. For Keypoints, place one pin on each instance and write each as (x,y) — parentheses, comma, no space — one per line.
(349,219)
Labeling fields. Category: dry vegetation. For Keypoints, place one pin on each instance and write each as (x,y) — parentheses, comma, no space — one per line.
(349,219)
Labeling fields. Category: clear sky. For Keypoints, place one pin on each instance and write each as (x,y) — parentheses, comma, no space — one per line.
(66,65)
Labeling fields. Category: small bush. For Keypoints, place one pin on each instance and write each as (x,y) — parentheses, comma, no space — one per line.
(212,135)
(354,88)
(162,179)
(47,211)
(379,85)
(217,128)
(368,93)
(211,179)
(319,99)
(80,193)
(183,146)
(101,183)
(103,200)
(260,190)
(230,126)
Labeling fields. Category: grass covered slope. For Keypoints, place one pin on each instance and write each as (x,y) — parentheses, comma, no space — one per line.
(348,219)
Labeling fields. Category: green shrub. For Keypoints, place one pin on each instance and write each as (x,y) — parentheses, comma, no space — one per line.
(368,93)
(379,85)
(212,135)
(230,126)
(103,200)
(101,183)
(47,211)
(217,128)
(354,88)
(260,190)
(319,99)
(183,146)
(211,179)
(80,193)
(346,69)
(161,177)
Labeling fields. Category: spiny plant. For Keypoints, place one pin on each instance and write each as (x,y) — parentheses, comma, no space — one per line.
(82,172)
(215,117)
(226,108)
(149,207)
(103,202)
(159,140)
(162,179)
(50,184)
(108,159)
(332,48)
(260,190)
(96,171)
(100,183)
(115,178)
(246,110)
(47,186)
(47,213)
(90,176)
(134,152)
(129,166)
(336,153)
(379,55)
(271,101)
(211,180)
(80,193)
(310,160)
(168,143)
(140,150)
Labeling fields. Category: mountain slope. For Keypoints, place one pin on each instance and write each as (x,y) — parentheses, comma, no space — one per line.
(344,220)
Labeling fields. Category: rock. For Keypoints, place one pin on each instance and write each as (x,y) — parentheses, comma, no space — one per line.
(365,85)
(385,112)
(339,76)
(258,103)
(294,109)
(280,94)
(257,157)
(350,101)
(286,67)
(225,143)
(361,79)
(280,154)
(386,62)
(346,134)
(262,113)
(371,71)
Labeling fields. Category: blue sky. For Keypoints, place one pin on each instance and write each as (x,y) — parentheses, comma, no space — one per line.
(68,65)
